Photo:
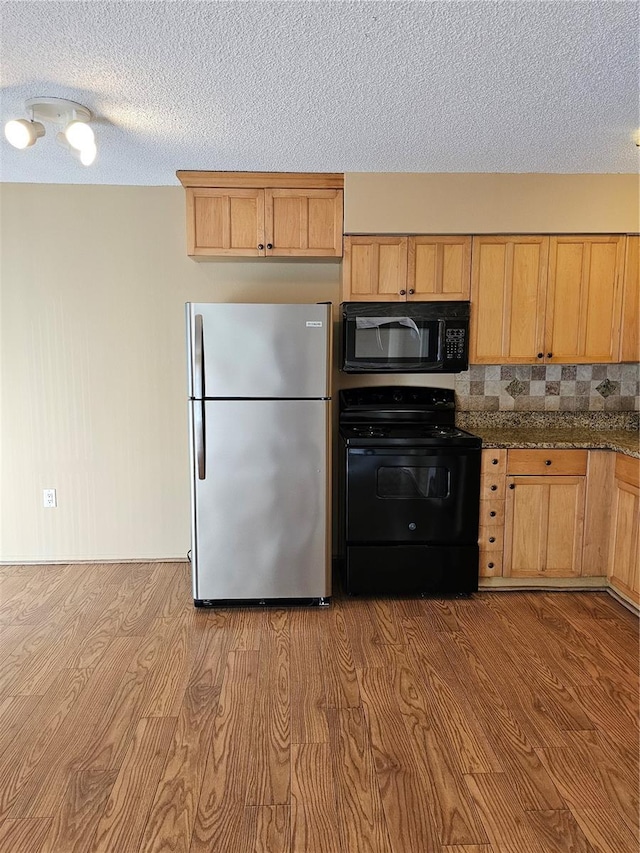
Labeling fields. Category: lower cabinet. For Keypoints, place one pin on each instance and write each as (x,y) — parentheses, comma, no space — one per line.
(624,573)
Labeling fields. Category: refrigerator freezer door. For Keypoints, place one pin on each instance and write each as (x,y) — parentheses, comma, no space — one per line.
(252,350)
(260,520)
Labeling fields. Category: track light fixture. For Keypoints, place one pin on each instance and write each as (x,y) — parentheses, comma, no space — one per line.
(77,135)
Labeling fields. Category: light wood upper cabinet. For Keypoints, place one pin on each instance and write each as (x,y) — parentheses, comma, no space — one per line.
(400,269)
(584,299)
(374,269)
(438,268)
(624,557)
(263,215)
(546,299)
(630,327)
(508,286)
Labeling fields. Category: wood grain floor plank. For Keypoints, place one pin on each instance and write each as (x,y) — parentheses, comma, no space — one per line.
(14,715)
(20,756)
(172,813)
(221,813)
(453,810)
(532,782)
(367,648)
(507,825)
(468,848)
(586,778)
(45,788)
(470,746)
(308,699)
(272,829)
(406,798)
(74,823)
(120,828)
(24,835)
(360,812)
(605,831)
(270,738)
(558,831)
(314,815)
(341,683)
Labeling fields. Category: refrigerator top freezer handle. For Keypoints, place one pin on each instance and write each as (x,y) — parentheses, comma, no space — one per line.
(198,372)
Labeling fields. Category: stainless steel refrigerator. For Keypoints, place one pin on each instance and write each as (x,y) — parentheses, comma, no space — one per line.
(260,427)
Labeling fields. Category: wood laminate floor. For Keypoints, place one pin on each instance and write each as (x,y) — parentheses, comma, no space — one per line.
(132,723)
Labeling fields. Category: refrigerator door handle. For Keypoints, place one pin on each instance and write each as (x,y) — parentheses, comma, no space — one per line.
(198,426)
(199,358)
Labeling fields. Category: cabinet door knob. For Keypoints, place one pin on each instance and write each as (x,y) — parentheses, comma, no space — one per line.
(549,355)
(402,292)
(269,245)
(493,488)
(261,246)
(512,485)
(547,462)
(540,355)
(492,539)
(492,513)
(494,461)
(411,292)
(490,565)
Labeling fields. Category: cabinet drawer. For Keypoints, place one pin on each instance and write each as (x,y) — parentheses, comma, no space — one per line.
(537,462)
(490,565)
(491,513)
(493,462)
(490,539)
(492,487)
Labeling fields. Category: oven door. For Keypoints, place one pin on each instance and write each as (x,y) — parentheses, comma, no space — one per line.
(412,495)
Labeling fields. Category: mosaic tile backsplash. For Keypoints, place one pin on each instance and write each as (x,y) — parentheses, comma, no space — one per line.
(548,388)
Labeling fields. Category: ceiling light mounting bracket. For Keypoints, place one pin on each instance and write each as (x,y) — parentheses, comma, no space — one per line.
(57,110)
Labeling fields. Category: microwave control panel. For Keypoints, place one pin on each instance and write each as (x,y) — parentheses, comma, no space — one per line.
(455,344)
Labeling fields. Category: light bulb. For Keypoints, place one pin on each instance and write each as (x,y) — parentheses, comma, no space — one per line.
(22,133)
(79,135)
(88,154)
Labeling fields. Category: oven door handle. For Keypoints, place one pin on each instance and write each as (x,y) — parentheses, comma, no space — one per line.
(441,342)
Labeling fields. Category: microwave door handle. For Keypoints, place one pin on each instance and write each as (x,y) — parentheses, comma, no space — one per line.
(441,333)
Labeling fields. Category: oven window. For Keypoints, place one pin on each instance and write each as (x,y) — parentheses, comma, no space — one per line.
(391,338)
(401,481)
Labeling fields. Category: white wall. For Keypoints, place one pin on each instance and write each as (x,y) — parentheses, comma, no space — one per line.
(93,282)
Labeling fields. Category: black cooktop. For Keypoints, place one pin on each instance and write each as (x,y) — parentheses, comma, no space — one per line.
(392,415)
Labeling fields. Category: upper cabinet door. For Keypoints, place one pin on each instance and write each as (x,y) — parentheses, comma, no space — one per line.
(439,268)
(225,221)
(303,223)
(630,327)
(374,269)
(508,283)
(584,298)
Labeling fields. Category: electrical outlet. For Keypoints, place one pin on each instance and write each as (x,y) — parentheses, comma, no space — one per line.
(49,498)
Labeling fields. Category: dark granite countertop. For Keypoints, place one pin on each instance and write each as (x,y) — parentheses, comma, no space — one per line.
(622,440)
(593,431)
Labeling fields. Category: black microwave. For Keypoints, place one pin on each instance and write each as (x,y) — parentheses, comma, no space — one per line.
(405,337)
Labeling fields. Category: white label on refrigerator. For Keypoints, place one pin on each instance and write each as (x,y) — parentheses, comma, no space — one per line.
(314,324)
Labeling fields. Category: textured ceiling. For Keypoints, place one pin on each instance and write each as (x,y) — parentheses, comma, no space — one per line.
(326,86)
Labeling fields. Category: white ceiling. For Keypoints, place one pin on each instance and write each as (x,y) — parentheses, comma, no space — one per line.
(326,86)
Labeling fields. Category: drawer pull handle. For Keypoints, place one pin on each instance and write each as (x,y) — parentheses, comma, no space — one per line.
(492,513)
(494,461)
(490,565)
(494,488)
(512,485)
(547,462)
(492,539)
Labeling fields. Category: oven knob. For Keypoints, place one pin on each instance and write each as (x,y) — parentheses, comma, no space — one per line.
(397,396)
(412,525)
